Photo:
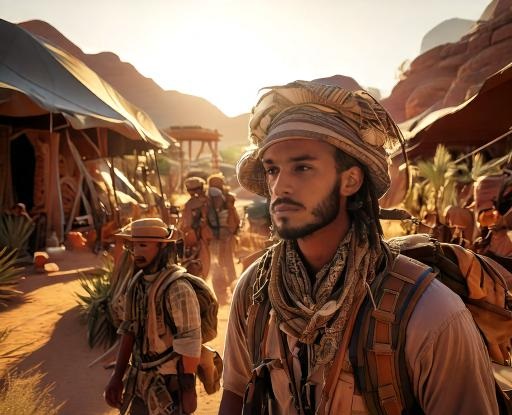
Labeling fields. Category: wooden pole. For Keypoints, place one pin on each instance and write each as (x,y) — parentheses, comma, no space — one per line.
(116,204)
(189,153)
(182,170)
(158,174)
(163,208)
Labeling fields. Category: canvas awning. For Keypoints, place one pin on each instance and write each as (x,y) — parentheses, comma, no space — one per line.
(38,78)
(475,122)
(479,120)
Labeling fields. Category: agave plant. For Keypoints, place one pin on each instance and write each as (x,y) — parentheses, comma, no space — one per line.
(95,305)
(9,275)
(15,232)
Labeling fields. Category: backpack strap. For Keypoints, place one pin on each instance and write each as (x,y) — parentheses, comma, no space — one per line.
(163,317)
(377,346)
(129,293)
(259,310)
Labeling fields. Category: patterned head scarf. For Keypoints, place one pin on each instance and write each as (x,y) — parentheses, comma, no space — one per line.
(351,121)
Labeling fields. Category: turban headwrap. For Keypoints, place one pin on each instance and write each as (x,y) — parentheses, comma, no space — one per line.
(354,122)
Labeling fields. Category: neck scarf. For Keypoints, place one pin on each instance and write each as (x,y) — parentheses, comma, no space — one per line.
(317,311)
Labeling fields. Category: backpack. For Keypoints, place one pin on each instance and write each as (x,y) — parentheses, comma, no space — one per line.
(375,365)
(208,304)
(452,264)
(468,275)
(210,367)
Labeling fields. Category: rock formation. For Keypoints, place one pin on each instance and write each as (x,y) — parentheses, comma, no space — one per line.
(448,31)
(448,74)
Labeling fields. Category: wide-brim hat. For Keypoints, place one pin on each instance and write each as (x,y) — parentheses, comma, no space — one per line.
(352,121)
(147,230)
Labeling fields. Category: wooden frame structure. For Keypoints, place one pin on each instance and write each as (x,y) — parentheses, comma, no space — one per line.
(203,136)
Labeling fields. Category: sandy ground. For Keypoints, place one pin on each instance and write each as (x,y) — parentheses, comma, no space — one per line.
(45,331)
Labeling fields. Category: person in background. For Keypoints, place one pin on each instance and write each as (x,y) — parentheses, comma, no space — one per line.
(160,331)
(229,224)
(195,227)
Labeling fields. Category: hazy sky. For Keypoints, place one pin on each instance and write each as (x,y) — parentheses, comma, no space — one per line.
(225,50)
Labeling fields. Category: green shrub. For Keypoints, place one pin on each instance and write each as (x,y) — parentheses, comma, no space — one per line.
(15,232)
(95,306)
(9,275)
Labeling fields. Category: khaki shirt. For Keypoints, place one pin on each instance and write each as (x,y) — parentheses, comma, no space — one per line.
(183,307)
(447,361)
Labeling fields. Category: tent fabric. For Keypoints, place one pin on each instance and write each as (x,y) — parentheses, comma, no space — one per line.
(37,77)
(475,122)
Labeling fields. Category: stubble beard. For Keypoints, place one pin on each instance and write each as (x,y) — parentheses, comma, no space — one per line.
(326,212)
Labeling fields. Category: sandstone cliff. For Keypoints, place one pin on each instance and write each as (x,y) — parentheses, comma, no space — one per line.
(448,74)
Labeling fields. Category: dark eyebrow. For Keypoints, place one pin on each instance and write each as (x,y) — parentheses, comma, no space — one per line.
(305,157)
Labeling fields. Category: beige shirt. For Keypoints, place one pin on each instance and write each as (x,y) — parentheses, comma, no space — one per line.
(183,306)
(447,361)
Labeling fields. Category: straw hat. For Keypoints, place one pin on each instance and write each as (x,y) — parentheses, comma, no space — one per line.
(193,183)
(147,230)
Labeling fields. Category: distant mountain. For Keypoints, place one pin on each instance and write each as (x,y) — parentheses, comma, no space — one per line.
(164,107)
(448,31)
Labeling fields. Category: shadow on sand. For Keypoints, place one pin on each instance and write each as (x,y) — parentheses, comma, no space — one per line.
(64,359)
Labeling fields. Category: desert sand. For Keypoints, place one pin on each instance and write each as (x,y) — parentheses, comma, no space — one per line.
(45,330)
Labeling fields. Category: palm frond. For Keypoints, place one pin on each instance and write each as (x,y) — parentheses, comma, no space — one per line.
(440,181)
(482,168)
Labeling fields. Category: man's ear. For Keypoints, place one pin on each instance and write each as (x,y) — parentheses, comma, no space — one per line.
(351,181)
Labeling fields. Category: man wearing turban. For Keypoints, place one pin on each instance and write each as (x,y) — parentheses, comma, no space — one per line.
(319,154)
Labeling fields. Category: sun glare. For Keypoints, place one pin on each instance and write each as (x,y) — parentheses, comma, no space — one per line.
(224,51)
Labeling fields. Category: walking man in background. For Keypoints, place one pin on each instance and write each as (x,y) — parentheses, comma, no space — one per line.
(161,330)
(195,227)
(229,222)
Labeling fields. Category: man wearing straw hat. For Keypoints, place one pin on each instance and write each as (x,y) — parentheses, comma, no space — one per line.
(319,155)
(161,331)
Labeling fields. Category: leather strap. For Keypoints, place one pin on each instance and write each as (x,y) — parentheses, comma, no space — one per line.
(378,344)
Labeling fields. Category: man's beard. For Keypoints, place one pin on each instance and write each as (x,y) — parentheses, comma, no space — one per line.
(325,212)
(158,262)
(144,265)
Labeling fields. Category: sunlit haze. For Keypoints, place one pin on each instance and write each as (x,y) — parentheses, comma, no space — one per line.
(226,50)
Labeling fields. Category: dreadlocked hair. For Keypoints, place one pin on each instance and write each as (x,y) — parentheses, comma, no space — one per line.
(166,255)
(362,206)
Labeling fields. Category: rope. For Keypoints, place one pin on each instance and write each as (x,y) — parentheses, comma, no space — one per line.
(484,146)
